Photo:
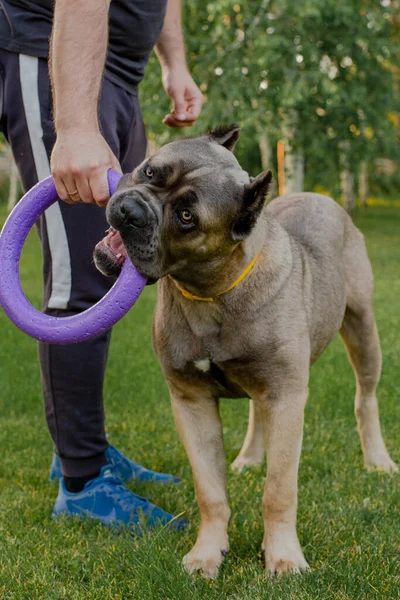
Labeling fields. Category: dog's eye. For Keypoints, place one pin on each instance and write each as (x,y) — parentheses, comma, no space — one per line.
(186,217)
(148,171)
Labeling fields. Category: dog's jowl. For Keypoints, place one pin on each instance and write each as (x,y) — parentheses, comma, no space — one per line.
(249,296)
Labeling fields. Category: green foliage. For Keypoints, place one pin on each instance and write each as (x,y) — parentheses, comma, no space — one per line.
(4,187)
(324,68)
(387,184)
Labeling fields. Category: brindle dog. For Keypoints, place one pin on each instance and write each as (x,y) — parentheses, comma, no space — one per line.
(190,217)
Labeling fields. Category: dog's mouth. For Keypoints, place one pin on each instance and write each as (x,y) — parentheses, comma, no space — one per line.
(110,253)
(114,246)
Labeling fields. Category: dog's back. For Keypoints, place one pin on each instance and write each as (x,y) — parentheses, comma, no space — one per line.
(326,232)
(334,257)
(316,221)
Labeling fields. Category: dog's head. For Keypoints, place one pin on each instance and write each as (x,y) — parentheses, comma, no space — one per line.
(187,206)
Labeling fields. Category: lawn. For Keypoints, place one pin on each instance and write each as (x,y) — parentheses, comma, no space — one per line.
(348,519)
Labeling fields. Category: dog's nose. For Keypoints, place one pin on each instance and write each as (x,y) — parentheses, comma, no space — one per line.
(134,212)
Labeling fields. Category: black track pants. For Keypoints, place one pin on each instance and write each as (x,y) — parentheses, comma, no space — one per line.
(72,375)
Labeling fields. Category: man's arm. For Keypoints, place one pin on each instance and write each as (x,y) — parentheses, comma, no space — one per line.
(177,81)
(81,156)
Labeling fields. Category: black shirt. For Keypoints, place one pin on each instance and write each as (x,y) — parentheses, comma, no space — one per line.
(134,26)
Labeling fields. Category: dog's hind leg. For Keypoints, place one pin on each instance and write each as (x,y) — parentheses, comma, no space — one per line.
(253,449)
(360,336)
(199,425)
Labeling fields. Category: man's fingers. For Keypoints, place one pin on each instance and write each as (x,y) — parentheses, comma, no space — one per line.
(103,202)
(194,107)
(171,121)
(71,186)
(79,166)
(84,191)
(62,190)
(186,110)
(179,109)
(80,188)
(99,188)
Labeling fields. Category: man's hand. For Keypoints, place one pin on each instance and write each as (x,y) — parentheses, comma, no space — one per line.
(178,83)
(79,164)
(81,156)
(186,96)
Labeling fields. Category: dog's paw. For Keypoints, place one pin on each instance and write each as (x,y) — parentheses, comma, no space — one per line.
(241,462)
(281,566)
(204,559)
(382,462)
(284,556)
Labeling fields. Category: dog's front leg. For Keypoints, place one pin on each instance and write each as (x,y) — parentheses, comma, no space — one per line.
(198,422)
(283,416)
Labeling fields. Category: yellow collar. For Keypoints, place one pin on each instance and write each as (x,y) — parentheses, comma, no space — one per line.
(190,296)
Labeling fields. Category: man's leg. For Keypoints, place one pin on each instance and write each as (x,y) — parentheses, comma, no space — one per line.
(83,439)
(72,375)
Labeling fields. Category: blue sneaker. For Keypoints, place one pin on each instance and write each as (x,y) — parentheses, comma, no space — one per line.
(123,467)
(106,499)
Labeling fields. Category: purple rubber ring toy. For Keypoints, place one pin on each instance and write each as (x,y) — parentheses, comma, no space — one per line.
(57,330)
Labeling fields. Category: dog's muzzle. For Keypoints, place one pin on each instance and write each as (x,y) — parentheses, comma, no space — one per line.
(133,222)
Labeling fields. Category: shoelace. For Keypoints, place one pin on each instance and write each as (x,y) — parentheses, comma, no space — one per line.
(124,466)
(116,458)
(126,499)
(136,469)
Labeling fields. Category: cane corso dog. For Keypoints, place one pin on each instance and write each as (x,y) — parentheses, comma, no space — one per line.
(249,296)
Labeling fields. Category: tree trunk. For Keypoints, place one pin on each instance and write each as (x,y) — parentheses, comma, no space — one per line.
(363,184)
(347,187)
(294,167)
(267,162)
(347,180)
(294,157)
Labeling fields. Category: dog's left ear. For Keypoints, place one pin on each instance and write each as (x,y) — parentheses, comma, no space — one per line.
(253,202)
(226,136)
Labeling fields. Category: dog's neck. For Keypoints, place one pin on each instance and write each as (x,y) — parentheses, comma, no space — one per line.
(213,278)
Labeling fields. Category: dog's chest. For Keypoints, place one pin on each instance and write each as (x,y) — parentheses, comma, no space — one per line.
(206,325)
(210,333)
(215,348)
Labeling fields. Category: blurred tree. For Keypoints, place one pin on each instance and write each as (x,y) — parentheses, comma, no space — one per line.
(319,73)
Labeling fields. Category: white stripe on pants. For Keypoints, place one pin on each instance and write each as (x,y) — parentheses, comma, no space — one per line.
(58,242)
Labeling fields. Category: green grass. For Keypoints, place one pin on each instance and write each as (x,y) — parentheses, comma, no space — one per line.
(348,519)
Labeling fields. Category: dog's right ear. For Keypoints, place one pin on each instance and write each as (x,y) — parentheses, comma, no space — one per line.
(253,201)
(226,136)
